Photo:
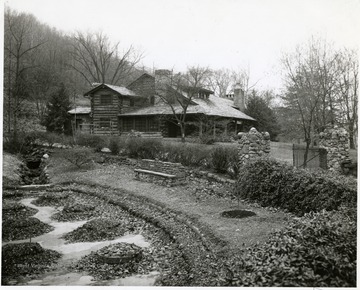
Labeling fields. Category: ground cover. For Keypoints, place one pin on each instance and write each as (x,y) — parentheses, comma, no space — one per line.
(23,228)
(25,259)
(205,249)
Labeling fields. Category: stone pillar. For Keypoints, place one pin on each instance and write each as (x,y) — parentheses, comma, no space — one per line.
(253,145)
(336,142)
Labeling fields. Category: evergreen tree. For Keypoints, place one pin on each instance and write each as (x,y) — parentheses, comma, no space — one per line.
(57,111)
(258,108)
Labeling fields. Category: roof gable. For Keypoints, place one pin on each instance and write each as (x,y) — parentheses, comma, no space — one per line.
(116,89)
(144,75)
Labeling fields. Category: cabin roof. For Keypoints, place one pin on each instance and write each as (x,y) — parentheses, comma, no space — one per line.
(80,110)
(211,106)
(119,90)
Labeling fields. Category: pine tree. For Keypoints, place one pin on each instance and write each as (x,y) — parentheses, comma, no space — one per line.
(57,111)
(264,115)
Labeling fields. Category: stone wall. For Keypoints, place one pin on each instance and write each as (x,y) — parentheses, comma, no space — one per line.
(336,142)
(161,166)
(253,145)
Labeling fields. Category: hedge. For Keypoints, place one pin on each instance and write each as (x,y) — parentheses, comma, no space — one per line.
(299,191)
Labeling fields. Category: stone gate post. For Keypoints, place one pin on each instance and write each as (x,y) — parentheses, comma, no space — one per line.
(253,145)
(336,142)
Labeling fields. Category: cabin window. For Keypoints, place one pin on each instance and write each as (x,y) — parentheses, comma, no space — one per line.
(127,124)
(153,125)
(105,100)
(104,123)
(132,102)
(140,124)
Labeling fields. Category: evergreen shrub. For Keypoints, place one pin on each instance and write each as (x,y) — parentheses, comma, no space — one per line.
(299,191)
(317,250)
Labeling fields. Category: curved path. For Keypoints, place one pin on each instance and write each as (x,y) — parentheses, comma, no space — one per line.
(195,225)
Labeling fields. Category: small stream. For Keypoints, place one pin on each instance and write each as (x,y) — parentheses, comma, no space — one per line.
(74,251)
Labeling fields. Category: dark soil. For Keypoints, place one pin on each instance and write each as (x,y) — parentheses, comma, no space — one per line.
(25,259)
(237,213)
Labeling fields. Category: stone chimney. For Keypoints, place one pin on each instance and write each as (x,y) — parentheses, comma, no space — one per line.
(239,97)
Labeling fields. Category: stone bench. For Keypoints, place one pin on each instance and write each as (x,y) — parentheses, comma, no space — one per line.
(165,175)
(160,172)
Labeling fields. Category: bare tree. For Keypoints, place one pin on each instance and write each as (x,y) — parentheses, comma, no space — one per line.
(321,88)
(303,90)
(220,81)
(20,45)
(242,77)
(97,60)
(348,85)
(178,92)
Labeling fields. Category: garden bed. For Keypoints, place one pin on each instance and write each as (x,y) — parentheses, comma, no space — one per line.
(25,260)
(192,245)
(23,228)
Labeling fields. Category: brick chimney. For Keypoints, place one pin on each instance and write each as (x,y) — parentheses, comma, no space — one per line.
(239,97)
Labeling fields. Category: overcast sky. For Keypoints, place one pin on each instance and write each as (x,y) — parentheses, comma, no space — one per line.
(234,34)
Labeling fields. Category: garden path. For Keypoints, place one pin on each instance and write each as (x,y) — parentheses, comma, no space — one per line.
(239,233)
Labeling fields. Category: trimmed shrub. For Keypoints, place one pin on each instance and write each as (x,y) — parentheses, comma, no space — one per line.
(207,139)
(114,145)
(220,159)
(91,140)
(318,250)
(188,154)
(275,184)
(145,148)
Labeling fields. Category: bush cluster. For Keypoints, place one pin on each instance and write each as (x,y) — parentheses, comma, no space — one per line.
(91,140)
(188,154)
(318,250)
(225,160)
(275,184)
(145,148)
(78,156)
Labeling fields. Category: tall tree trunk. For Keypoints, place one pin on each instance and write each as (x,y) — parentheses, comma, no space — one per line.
(182,129)
(351,134)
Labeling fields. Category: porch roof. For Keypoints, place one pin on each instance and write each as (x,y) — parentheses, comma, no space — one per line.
(80,110)
(211,106)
